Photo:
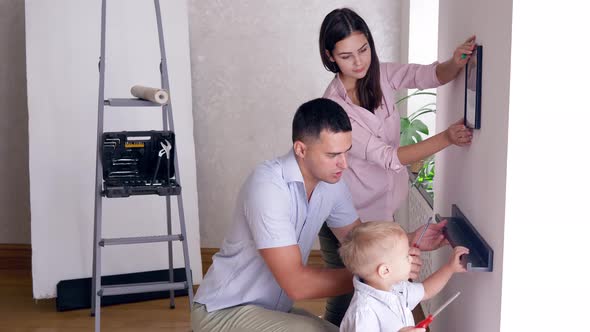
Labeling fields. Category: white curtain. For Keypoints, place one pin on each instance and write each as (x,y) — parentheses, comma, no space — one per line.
(63,47)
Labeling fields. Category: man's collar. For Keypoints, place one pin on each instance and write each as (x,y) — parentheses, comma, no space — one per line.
(291,170)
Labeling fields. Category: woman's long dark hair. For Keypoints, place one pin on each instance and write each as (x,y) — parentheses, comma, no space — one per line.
(337,25)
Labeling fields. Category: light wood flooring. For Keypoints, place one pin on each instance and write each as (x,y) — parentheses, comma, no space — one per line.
(20,312)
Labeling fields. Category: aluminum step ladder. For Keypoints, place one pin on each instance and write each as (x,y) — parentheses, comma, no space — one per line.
(99,290)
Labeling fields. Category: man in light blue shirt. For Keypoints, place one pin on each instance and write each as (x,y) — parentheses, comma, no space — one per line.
(261,267)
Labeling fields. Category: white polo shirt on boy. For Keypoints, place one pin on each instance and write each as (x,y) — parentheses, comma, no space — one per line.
(376,310)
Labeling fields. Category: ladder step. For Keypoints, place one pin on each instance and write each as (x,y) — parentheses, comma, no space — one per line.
(130,102)
(140,239)
(141,288)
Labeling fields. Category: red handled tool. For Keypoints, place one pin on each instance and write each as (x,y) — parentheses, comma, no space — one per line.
(422,234)
(424,324)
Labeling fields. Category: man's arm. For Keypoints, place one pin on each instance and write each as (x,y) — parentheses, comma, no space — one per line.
(341,232)
(304,282)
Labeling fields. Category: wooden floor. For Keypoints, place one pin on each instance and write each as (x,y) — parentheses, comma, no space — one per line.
(19,312)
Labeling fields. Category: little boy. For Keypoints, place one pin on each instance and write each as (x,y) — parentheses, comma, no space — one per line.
(377,253)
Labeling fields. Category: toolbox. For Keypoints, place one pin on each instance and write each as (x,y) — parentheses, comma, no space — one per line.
(138,163)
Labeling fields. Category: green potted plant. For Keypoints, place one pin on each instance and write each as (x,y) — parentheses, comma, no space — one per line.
(425,176)
(413,131)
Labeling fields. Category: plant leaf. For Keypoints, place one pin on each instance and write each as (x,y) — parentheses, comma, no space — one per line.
(404,124)
(430,106)
(418,125)
(406,138)
(415,93)
(421,111)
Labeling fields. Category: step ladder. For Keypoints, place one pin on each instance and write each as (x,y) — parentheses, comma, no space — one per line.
(99,290)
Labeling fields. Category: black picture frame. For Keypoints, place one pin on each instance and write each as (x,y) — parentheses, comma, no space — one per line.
(473,73)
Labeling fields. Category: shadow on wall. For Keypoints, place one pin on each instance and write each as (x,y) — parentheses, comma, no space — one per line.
(15,212)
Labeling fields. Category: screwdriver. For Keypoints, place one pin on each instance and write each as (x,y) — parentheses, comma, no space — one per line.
(424,324)
(422,234)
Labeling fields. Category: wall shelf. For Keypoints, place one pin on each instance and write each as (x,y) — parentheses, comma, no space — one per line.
(460,232)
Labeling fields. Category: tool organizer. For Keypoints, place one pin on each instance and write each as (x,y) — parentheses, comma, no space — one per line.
(137,163)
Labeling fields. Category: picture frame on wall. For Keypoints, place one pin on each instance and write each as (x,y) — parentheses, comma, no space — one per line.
(473,78)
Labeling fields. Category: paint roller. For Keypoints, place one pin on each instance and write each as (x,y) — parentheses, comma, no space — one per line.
(155,95)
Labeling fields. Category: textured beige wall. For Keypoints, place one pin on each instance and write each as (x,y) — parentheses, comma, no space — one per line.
(14,161)
(253,64)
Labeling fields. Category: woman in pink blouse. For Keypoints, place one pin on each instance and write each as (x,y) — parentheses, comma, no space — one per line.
(364,87)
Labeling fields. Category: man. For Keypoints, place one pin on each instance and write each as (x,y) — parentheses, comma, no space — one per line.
(261,267)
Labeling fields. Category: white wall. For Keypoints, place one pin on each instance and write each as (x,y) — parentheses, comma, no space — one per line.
(14,140)
(63,47)
(474,177)
(423,48)
(547,221)
(253,64)
(419,45)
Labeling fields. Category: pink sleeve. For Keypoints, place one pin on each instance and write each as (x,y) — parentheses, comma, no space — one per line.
(410,76)
(370,147)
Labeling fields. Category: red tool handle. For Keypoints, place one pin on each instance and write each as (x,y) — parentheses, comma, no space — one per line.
(424,324)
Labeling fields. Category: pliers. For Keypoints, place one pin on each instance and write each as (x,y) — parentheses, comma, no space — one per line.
(164,151)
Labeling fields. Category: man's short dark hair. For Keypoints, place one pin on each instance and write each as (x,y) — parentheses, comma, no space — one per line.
(317,115)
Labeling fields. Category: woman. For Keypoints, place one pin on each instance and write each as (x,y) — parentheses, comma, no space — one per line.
(364,87)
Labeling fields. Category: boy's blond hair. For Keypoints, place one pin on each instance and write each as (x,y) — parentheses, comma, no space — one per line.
(365,246)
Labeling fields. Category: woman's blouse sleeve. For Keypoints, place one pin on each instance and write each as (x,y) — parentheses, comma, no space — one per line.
(368,146)
(410,76)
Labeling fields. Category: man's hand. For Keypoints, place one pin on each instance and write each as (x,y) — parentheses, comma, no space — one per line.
(433,237)
(416,263)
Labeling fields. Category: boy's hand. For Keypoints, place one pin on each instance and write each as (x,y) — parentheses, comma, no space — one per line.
(433,237)
(412,329)
(455,260)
